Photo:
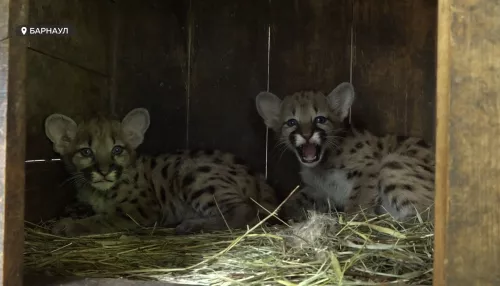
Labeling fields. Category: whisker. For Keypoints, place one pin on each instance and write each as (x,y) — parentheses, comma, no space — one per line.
(279,142)
(279,145)
(74,177)
(279,149)
(279,159)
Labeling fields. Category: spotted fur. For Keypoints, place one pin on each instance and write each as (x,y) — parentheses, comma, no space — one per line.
(345,169)
(190,190)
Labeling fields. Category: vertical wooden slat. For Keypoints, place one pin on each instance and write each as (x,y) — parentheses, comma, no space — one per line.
(12,155)
(394,66)
(442,140)
(468,183)
(151,69)
(4,19)
(229,68)
(12,146)
(310,49)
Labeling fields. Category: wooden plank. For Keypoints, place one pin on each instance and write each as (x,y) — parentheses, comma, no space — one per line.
(442,141)
(394,66)
(151,69)
(229,68)
(310,49)
(4,227)
(12,138)
(87,46)
(56,86)
(12,148)
(468,236)
(4,19)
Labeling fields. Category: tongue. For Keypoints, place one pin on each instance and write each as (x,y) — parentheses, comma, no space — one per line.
(309,151)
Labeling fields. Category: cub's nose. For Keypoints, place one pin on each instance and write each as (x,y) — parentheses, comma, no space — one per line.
(307,136)
(105,170)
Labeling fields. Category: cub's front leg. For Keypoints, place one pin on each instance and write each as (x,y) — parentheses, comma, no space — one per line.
(127,216)
(305,200)
(97,224)
(78,210)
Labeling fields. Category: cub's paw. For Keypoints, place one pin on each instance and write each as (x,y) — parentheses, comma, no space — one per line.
(189,227)
(69,227)
(78,210)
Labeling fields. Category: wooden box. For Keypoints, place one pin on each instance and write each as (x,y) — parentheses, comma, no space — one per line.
(420,67)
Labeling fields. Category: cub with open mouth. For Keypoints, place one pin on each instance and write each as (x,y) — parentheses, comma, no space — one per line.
(347,169)
(310,124)
(306,121)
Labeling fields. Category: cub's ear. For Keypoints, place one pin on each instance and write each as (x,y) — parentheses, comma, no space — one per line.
(341,99)
(268,106)
(61,130)
(134,126)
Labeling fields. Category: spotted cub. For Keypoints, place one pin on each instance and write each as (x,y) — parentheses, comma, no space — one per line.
(345,169)
(190,190)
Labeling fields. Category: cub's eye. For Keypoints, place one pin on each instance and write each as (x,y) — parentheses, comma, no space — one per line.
(320,119)
(117,150)
(291,122)
(86,152)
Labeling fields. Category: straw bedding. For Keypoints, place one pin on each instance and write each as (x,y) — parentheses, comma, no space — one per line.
(327,249)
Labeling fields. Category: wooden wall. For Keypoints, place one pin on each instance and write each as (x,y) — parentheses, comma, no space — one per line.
(150,68)
(228,69)
(198,65)
(109,68)
(394,66)
(68,75)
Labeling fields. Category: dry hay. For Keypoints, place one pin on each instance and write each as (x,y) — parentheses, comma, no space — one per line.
(327,249)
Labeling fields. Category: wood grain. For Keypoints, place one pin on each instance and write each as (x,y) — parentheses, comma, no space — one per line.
(12,148)
(442,141)
(4,19)
(394,66)
(151,69)
(89,22)
(468,236)
(229,68)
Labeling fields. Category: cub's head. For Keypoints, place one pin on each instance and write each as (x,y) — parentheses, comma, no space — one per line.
(307,121)
(97,151)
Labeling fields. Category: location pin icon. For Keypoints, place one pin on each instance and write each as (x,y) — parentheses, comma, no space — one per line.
(23,30)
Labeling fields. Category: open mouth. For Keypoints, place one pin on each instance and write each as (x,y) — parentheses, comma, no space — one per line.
(309,152)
